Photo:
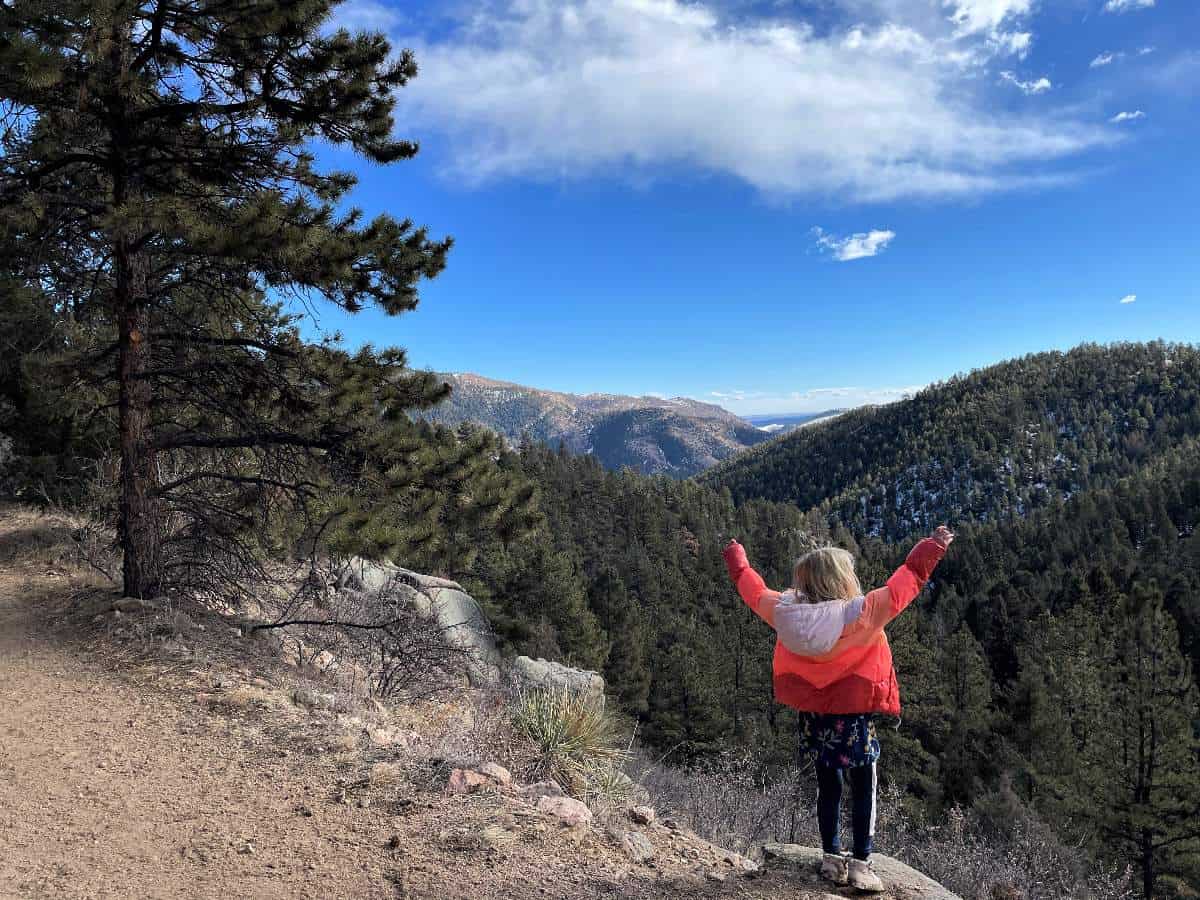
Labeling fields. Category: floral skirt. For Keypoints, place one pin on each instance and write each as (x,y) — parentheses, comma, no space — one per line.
(840,742)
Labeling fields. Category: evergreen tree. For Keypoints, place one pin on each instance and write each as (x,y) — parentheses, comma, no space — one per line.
(1140,771)
(155,180)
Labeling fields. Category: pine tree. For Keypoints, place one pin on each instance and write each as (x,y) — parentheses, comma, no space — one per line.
(155,179)
(625,668)
(1141,768)
(968,698)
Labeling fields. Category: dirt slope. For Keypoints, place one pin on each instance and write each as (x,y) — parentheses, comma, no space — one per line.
(119,778)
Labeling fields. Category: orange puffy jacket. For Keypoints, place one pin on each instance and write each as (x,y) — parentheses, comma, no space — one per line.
(857,675)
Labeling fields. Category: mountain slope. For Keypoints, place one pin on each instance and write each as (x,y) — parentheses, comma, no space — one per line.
(654,435)
(995,442)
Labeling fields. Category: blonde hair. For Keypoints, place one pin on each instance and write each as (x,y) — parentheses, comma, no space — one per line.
(825,574)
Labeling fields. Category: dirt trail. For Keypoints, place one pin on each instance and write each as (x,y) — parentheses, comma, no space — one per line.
(106,790)
(116,783)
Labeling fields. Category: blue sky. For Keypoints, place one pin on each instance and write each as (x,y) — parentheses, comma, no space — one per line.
(785,206)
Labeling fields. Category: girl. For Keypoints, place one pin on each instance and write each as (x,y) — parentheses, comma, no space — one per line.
(833,665)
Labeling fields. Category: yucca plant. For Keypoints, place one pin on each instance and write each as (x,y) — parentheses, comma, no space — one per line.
(575,741)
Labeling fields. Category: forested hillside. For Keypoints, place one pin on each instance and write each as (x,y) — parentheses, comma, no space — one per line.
(997,442)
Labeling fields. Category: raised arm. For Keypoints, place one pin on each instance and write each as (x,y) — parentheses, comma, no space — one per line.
(750,585)
(907,581)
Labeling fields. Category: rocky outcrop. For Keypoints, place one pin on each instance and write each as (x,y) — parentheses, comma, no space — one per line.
(462,621)
(464,624)
(541,674)
(902,882)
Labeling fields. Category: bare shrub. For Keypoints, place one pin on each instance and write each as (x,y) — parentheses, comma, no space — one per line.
(732,800)
(1000,849)
(980,854)
(401,651)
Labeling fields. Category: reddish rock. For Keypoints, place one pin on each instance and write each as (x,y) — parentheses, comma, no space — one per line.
(567,810)
(466,781)
(496,772)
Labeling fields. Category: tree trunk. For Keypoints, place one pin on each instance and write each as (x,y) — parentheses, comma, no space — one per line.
(1148,873)
(139,526)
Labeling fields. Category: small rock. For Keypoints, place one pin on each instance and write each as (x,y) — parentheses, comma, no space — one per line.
(395,842)
(714,875)
(305,810)
(671,824)
(132,605)
(313,699)
(637,846)
(247,849)
(643,815)
(324,661)
(364,802)
(496,836)
(496,772)
(567,810)
(381,737)
(539,789)
(466,781)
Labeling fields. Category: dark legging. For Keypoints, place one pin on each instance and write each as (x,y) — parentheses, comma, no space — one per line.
(829,807)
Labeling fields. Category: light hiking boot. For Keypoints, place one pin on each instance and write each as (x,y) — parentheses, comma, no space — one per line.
(862,877)
(835,868)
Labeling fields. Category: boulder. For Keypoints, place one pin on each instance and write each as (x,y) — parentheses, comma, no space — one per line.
(540,674)
(456,612)
(903,882)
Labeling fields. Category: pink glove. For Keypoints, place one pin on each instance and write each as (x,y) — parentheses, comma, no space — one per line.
(734,555)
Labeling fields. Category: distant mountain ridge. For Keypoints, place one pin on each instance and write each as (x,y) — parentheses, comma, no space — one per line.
(674,436)
(779,424)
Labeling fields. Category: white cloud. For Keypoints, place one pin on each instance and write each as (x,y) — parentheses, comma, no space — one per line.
(1121,6)
(1129,298)
(1039,86)
(1128,116)
(854,246)
(813,400)
(978,16)
(1011,43)
(559,89)
(368,15)
(1145,50)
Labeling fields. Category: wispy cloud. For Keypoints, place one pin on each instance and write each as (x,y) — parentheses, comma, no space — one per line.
(812,400)
(1122,6)
(1128,116)
(854,246)
(1036,86)
(1129,298)
(561,89)
(1108,57)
